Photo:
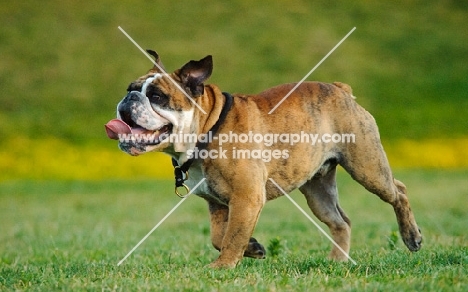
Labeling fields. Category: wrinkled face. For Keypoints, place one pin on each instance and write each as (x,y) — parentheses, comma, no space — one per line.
(157,108)
(153,109)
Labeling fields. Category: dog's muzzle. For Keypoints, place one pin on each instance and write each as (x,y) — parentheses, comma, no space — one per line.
(136,127)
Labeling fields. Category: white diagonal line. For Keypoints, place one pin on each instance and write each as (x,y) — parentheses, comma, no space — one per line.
(312,220)
(162,70)
(160,222)
(310,72)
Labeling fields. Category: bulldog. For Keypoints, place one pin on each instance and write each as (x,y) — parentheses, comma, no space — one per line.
(238,180)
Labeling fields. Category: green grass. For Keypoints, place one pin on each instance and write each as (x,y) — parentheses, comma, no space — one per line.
(70,235)
(65,65)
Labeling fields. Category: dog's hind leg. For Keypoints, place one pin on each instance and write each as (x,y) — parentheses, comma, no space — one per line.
(322,197)
(367,163)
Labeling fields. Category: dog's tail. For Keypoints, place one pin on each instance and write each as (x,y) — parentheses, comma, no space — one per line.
(345,87)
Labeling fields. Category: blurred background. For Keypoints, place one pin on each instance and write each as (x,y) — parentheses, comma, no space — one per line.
(65,65)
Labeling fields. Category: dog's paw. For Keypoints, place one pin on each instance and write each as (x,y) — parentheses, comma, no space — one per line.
(217,264)
(417,241)
(413,240)
(255,250)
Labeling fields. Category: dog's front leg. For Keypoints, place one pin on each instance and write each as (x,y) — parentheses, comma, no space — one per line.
(244,211)
(219,215)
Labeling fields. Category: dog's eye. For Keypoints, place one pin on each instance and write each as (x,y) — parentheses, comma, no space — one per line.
(156,98)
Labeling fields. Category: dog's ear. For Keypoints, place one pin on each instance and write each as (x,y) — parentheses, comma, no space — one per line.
(194,73)
(157,60)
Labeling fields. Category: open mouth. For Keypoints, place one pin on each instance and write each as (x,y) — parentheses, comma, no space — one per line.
(130,132)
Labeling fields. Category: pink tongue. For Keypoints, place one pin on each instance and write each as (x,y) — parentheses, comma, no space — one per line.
(116,127)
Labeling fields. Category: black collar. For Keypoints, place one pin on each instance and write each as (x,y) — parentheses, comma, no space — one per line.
(181,172)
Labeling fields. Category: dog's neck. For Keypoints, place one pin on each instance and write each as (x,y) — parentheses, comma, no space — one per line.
(181,170)
(212,105)
(216,105)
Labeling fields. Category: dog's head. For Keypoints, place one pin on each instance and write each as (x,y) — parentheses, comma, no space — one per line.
(158,105)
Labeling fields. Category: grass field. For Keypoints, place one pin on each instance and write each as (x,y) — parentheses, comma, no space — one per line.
(70,235)
(72,205)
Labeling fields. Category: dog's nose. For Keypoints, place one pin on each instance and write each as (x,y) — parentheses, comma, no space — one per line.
(128,100)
